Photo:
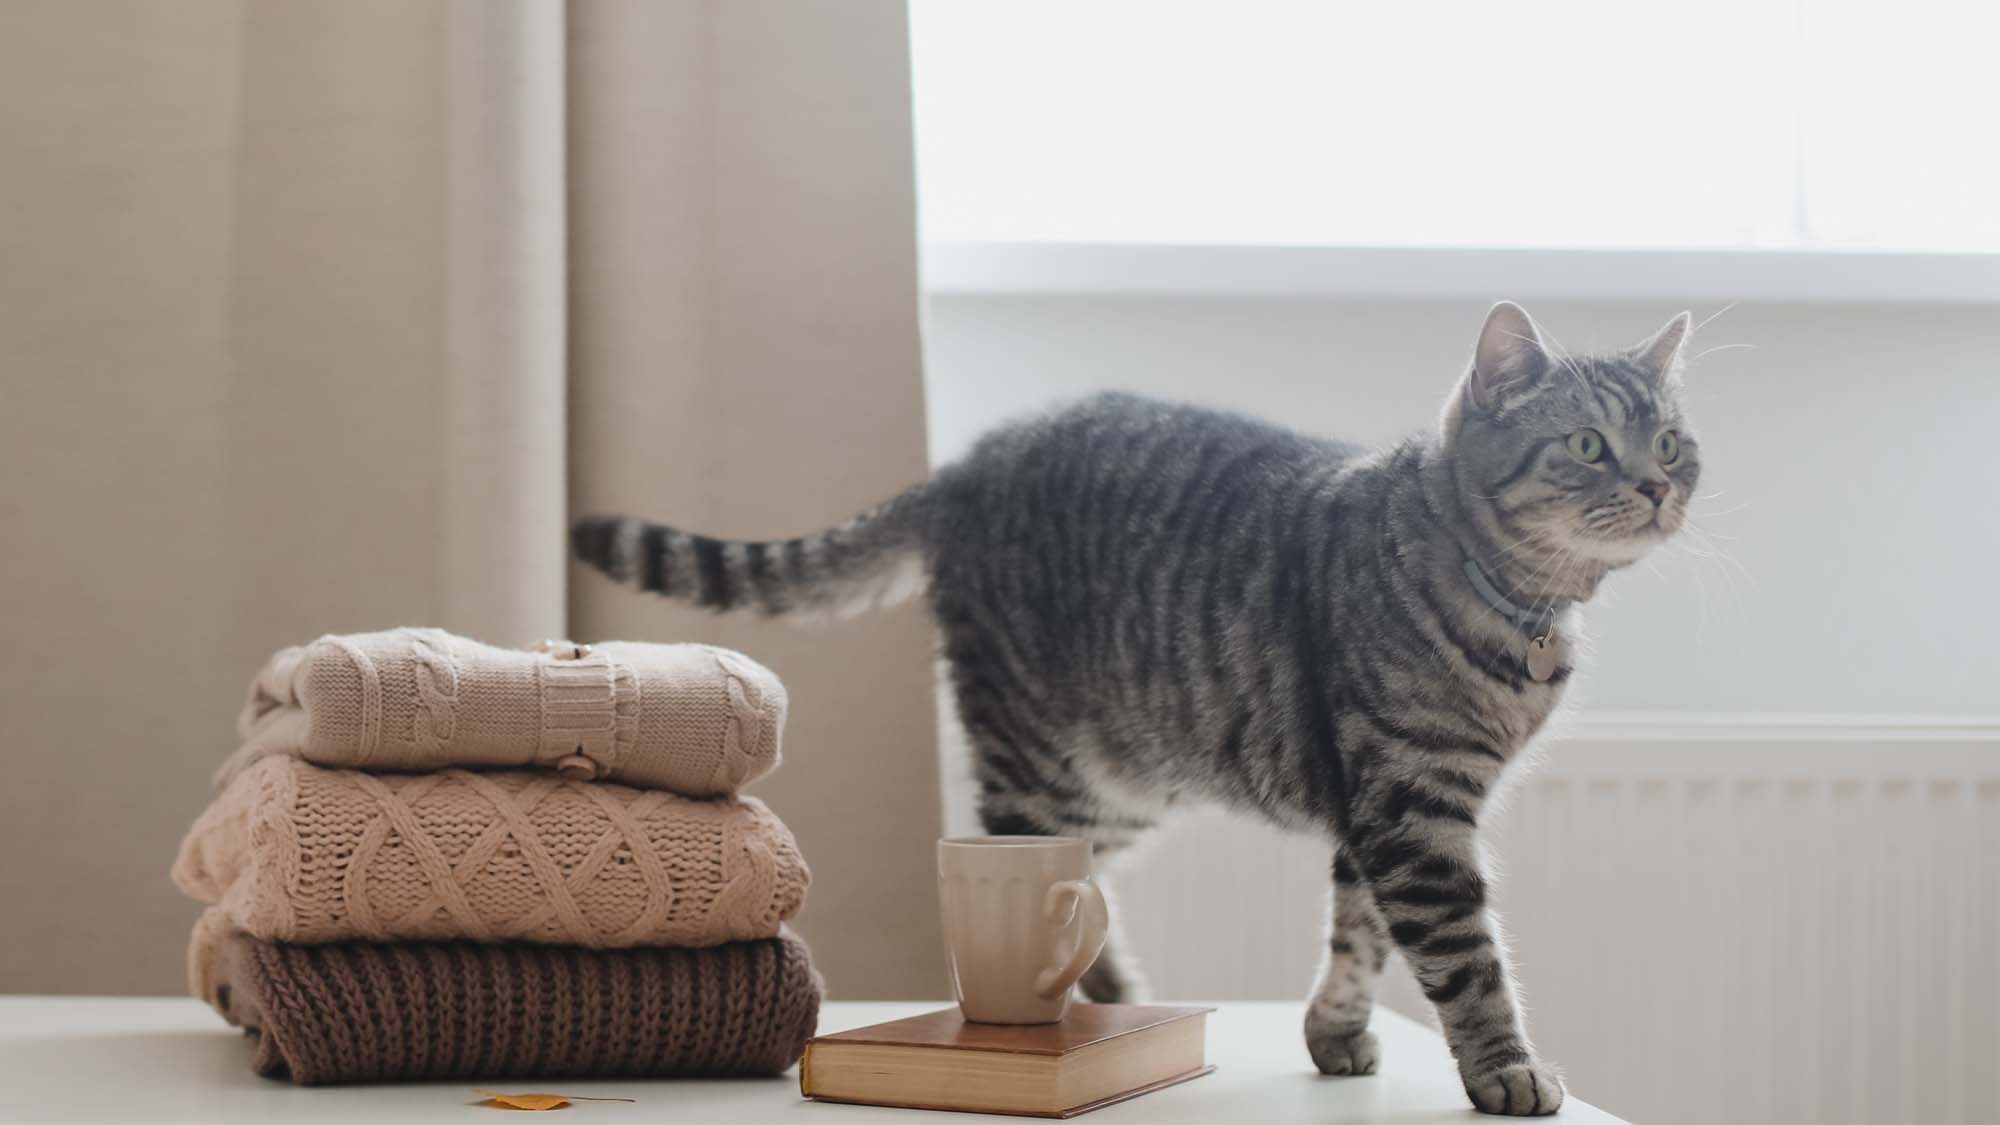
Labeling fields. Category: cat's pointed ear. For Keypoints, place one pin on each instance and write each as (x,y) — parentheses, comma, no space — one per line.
(1660,356)
(1509,358)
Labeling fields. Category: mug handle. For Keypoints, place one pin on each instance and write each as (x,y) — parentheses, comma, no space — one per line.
(1079,899)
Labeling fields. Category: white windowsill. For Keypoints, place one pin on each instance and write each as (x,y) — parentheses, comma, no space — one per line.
(1772,728)
(1426,273)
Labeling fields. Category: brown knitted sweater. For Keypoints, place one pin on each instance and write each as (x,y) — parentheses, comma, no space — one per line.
(376,1013)
(689,718)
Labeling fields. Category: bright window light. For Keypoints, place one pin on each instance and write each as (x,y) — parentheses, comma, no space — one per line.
(1784,124)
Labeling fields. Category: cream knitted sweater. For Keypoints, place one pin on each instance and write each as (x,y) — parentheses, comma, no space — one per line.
(689,718)
(295,853)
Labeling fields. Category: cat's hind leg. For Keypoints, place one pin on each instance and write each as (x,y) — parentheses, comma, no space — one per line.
(1113,978)
(1357,946)
(1029,785)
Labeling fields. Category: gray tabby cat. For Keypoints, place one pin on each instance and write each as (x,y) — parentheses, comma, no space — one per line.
(1144,605)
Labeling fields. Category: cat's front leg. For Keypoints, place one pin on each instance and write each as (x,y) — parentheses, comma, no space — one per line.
(1422,864)
(1357,946)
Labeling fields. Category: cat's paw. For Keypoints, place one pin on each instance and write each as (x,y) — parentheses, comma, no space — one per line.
(1529,1089)
(1355,1052)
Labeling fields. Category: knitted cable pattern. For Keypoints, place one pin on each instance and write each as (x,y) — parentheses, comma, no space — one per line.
(292,852)
(362,1012)
(690,718)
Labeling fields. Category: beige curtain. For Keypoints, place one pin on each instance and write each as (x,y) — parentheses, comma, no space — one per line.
(744,358)
(316,317)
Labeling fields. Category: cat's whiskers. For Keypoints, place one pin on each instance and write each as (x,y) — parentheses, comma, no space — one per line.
(1552,589)
(1703,532)
(1705,563)
(1711,318)
(1708,559)
(1562,549)
(1701,544)
(1537,540)
(1705,548)
(1721,348)
(1715,513)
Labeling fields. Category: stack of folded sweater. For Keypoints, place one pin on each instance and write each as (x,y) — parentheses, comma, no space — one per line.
(436,859)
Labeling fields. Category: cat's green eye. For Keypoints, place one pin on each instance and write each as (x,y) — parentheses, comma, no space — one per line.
(1667,447)
(1587,446)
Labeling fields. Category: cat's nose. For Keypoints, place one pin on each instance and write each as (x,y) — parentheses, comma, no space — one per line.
(1655,490)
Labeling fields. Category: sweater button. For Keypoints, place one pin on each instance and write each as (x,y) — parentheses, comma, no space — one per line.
(576,767)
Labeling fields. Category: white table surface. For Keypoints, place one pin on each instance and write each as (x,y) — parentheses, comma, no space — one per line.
(102,1059)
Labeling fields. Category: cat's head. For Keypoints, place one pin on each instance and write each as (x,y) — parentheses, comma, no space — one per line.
(1586,453)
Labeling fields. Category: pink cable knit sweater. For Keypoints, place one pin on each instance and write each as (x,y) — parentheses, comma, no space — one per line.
(690,718)
(295,853)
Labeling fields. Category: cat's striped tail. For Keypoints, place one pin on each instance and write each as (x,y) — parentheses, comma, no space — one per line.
(875,559)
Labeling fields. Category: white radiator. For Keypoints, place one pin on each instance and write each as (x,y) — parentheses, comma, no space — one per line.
(1736,921)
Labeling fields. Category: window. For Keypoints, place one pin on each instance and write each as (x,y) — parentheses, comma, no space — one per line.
(1706,124)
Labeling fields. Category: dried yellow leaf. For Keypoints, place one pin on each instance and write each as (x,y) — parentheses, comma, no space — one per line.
(535,1101)
(523,1101)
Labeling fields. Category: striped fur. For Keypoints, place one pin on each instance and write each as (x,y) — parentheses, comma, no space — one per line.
(1143,605)
(871,561)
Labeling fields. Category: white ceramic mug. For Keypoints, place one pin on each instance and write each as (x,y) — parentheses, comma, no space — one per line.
(1009,903)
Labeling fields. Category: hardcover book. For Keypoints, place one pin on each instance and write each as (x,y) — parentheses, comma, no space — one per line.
(1100,1054)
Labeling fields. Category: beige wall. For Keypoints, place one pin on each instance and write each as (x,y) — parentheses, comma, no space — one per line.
(283,294)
